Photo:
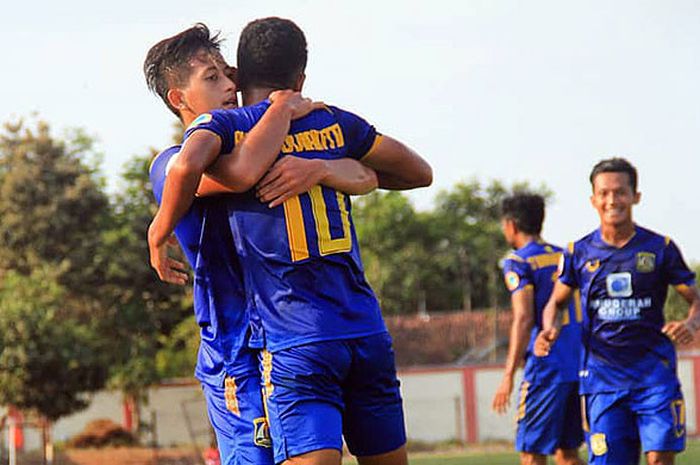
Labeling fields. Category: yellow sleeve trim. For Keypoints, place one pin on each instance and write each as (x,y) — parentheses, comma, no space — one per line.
(570,247)
(376,142)
(681,287)
(667,240)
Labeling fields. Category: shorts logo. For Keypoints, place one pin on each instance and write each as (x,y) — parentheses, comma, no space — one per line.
(592,265)
(599,445)
(201,119)
(262,433)
(619,284)
(512,280)
(230,389)
(646,262)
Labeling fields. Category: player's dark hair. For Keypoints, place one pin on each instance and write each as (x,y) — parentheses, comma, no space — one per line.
(167,62)
(615,165)
(526,210)
(271,53)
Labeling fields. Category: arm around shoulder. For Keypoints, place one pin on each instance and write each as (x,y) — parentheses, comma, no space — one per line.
(398,166)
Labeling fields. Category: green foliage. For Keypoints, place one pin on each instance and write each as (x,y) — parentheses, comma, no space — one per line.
(178,355)
(442,259)
(49,360)
(51,204)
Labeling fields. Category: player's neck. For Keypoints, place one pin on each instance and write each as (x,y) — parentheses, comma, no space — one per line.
(253,95)
(617,235)
(521,239)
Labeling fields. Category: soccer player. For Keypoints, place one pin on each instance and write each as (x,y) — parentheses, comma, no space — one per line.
(329,367)
(628,379)
(549,412)
(189,73)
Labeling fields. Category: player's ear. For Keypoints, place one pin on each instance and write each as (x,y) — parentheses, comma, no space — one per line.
(300,82)
(637,197)
(176,98)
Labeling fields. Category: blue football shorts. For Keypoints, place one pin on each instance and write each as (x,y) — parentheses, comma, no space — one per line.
(621,422)
(318,393)
(549,418)
(237,415)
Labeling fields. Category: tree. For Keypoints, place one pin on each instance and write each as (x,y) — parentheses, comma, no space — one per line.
(49,361)
(51,203)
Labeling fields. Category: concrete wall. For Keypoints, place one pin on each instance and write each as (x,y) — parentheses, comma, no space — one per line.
(441,404)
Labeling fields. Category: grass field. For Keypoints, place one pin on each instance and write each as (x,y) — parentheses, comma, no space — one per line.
(690,457)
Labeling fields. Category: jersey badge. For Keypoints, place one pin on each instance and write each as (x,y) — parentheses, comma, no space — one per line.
(619,284)
(599,445)
(512,280)
(262,433)
(646,262)
(592,265)
(201,119)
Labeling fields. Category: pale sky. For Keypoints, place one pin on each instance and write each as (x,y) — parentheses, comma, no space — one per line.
(532,91)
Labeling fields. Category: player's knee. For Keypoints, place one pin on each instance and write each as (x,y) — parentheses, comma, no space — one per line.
(395,457)
(567,457)
(660,458)
(528,458)
(317,457)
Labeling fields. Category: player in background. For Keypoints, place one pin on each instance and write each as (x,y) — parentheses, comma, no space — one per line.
(189,73)
(329,368)
(549,412)
(628,379)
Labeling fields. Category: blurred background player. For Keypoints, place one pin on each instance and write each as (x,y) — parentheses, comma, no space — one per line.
(189,73)
(549,412)
(330,367)
(628,377)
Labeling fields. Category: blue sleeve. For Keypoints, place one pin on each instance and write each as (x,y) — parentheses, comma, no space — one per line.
(567,269)
(158,170)
(359,135)
(674,267)
(517,274)
(220,122)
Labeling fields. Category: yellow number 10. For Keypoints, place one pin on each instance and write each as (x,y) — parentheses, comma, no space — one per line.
(296,233)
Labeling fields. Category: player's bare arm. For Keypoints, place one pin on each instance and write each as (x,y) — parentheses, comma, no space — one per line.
(292,176)
(200,150)
(561,294)
(254,155)
(683,332)
(398,166)
(522,302)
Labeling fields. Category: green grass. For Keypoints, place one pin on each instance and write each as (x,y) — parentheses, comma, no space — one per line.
(691,456)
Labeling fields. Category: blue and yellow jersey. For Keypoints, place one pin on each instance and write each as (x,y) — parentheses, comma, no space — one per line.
(301,260)
(623,291)
(219,295)
(535,265)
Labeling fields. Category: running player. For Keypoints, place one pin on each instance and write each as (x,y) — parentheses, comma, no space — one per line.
(330,367)
(191,76)
(549,413)
(628,378)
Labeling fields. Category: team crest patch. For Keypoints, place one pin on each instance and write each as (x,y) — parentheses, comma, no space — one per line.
(262,433)
(231,397)
(512,280)
(201,119)
(599,445)
(619,284)
(646,262)
(592,265)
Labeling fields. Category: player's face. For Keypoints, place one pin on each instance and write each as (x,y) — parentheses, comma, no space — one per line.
(613,198)
(210,85)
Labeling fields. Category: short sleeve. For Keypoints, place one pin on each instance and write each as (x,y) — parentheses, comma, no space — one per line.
(567,268)
(675,269)
(359,136)
(221,123)
(516,273)
(158,170)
